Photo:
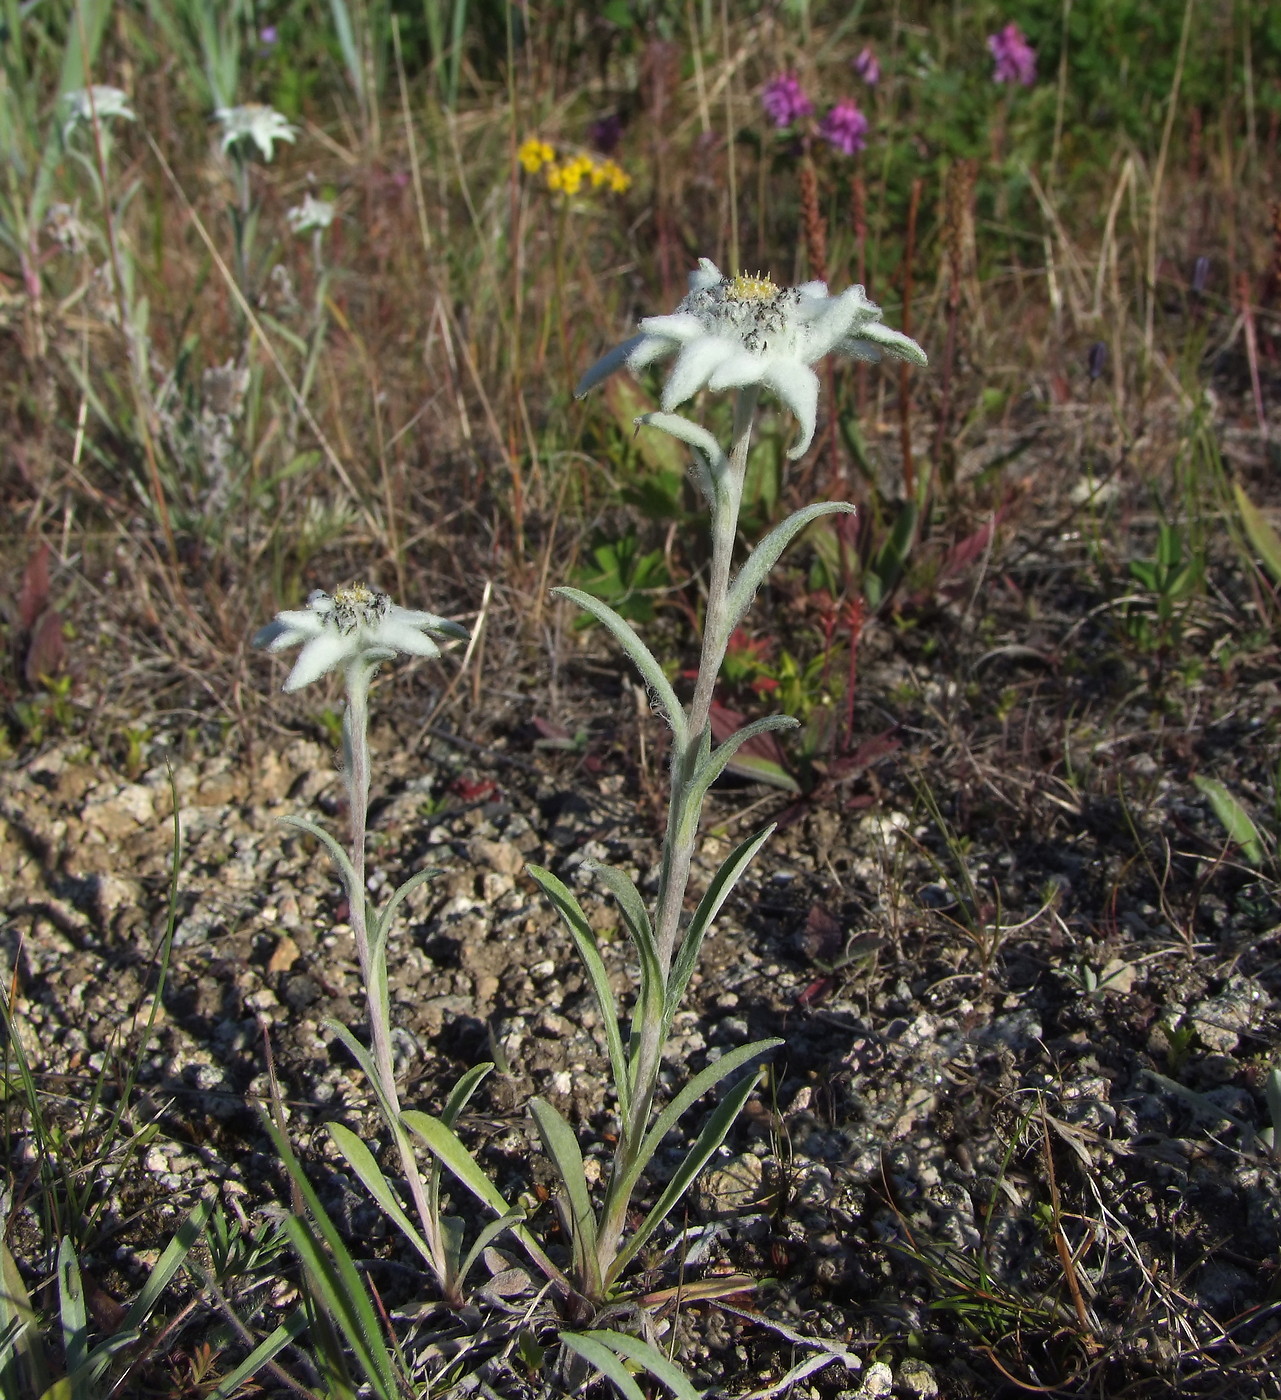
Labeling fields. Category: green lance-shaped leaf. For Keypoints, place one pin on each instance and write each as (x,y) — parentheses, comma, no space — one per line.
(636,917)
(584,936)
(350,883)
(717,761)
(639,1351)
(706,1079)
(381,925)
(362,1161)
(713,1134)
(641,656)
(885,570)
(562,1147)
(763,558)
(460,1095)
(1236,820)
(366,1061)
(712,468)
(1261,533)
(607,1362)
(708,907)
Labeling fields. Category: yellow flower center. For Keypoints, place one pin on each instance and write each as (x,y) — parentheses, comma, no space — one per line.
(745,288)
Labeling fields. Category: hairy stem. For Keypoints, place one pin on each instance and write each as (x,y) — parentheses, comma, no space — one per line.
(356,742)
(682,824)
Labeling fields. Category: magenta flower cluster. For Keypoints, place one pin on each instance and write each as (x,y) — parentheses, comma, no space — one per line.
(845,128)
(1015,57)
(786,102)
(867,67)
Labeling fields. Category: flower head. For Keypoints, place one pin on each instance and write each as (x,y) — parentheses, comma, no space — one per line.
(311,216)
(730,332)
(534,154)
(253,121)
(1015,57)
(867,67)
(356,626)
(98,101)
(844,127)
(784,100)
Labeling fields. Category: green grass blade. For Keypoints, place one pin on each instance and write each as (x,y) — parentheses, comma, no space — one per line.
(713,1134)
(636,917)
(383,923)
(362,1161)
(661,1367)
(341,1287)
(763,558)
(1261,533)
(267,1350)
(641,657)
(445,1145)
(708,907)
(607,1362)
(170,1261)
(366,1061)
(24,1372)
(562,1147)
(1233,817)
(584,937)
(74,1316)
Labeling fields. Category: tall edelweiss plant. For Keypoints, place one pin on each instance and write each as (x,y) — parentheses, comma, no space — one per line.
(729,333)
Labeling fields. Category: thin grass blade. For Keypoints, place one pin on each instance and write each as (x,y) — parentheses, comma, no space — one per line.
(267,1350)
(1233,817)
(362,1161)
(607,1362)
(637,1350)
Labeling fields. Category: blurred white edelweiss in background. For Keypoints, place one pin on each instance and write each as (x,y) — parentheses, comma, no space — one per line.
(255,122)
(356,625)
(100,101)
(734,331)
(311,216)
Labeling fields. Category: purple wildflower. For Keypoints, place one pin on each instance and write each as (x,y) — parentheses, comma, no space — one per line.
(784,100)
(1015,57)
(267,35)
(605,134)
(867,67)
(844,127)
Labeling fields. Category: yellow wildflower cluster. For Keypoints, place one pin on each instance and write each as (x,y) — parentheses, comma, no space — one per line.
(568,176)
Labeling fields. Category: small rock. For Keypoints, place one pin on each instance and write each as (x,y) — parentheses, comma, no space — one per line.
(284,955)
(498,856)
(877,1381)
(918,1379)
(735,1184)
(120,811)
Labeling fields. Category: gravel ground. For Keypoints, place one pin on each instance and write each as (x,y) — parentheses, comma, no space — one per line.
(1029,996)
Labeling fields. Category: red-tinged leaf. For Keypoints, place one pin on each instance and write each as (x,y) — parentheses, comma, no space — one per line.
(815,992)
(474,790)
(967,552)
(549,729)
(870,751)
(34,598)
(47,650)
(760,759)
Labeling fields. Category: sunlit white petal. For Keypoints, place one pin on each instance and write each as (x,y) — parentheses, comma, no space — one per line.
(400,636)
(679,327)
(693,365)
(797,386)
(321,654)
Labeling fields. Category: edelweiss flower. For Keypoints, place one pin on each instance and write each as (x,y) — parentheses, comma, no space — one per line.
(356,626)
(98,101)
(253,121)
(735,331)
(311,216)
